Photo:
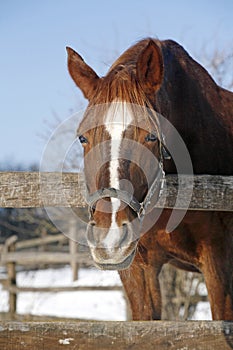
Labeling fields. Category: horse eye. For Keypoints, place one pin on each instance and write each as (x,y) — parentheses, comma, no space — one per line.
(83,139)
(151,137)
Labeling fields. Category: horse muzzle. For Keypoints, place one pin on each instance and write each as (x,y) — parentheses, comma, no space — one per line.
(111,249)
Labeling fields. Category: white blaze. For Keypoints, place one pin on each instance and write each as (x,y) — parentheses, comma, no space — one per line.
(117,120)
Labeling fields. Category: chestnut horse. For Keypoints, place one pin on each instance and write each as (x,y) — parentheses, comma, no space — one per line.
(159,77)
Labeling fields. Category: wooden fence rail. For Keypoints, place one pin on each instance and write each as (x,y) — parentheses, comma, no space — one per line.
(148,335)
(33,189)
(30,258)
(34,242)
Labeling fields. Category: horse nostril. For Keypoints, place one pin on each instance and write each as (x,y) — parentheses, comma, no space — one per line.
(124,234)
(90,233)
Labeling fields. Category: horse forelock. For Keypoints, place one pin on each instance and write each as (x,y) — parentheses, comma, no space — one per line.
(121,85)
(118,90)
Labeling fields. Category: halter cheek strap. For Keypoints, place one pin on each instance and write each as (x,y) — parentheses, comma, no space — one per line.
(156,187)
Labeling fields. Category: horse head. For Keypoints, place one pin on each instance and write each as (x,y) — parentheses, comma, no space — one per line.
(123,151)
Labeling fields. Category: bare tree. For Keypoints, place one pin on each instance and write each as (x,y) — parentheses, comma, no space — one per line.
(219,63)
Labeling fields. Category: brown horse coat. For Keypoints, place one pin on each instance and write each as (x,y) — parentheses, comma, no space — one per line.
(183,92)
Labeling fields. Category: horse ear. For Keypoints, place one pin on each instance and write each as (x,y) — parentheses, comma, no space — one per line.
(150,68)
(83,75)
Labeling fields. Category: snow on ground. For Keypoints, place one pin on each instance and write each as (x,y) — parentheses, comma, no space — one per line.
(202,312)
(97,305)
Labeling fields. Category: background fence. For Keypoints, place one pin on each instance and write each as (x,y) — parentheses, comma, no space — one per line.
(14,254)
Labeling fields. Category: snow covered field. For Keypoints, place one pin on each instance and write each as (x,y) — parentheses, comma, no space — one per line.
(98,305)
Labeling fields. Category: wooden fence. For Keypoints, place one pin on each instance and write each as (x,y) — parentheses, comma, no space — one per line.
(23,190)
(117,335)
(32,189)
(12,254)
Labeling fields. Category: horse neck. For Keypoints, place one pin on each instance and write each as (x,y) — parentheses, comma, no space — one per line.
(199,109)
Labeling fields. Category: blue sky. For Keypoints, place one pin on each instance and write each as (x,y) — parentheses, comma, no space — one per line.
(34,82)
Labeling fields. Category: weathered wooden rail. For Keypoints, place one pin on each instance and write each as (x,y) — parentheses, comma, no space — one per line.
(117,335)
(33,189)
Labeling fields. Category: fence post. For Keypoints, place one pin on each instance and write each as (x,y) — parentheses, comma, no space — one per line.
(11,274)
(73,247)
(44,234)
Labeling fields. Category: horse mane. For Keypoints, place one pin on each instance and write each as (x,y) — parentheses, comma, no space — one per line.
(200,110)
